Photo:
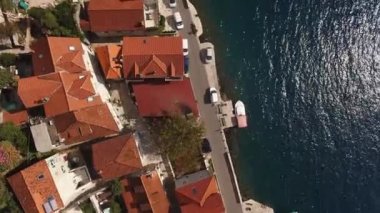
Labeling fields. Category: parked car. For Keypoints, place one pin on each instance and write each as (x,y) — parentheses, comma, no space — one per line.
(186,65)
(209,55)
(206,148)
(213,95)
(178,20)
(185,46)
(172,3)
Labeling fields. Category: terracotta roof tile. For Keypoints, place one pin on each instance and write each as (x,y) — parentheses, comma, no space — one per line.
(108,57)
(213,204)
(116,157)
(163,99)
(201,196)
(86,124)
(54,54)
(18,118)
(155,192)
(58,92)
(33,187)
(153,57)
(145,192)
(115,15)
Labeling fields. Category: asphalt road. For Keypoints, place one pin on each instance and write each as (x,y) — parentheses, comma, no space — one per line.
(208,114)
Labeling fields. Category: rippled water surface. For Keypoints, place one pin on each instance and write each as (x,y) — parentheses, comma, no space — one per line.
(309,73)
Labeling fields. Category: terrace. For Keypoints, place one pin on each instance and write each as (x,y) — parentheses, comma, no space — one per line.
(70,175)
(151,13)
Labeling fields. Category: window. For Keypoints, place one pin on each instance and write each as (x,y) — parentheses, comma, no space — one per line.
(40,176)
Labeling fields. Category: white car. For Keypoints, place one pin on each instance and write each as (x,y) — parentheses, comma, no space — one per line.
(209,55)
(213,95)
(178,20)
(172,3)
(185,46)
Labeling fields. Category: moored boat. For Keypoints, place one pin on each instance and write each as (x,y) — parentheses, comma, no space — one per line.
(241,117)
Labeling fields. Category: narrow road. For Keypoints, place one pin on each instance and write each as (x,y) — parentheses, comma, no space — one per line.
(208,114)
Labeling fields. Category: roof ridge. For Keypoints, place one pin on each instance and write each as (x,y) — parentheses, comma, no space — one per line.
(59,83)
(157,61)
(78,118)
(50,51)
(186,193)
(204,198)
(125,146)
(64,88)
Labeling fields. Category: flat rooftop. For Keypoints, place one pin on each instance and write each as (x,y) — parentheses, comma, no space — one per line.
(70,175)
(192,178)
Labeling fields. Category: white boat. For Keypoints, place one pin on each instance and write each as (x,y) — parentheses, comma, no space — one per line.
(240,114)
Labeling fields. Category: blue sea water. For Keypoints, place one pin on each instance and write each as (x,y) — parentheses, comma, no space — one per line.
(309,74)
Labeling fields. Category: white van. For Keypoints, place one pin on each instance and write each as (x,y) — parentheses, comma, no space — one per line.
(185,46)
(178,20)
(213,95)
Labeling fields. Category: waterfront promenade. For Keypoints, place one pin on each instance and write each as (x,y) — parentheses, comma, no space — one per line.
(202,77)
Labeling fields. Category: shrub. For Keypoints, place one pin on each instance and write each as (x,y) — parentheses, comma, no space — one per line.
(7,59)
(10,132)
(7,79)
(10,156)
(87,207)
(116,188)
(36,13)
(115,207)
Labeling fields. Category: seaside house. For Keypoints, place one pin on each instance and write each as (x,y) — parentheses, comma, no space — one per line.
(144,193)
(154,66)
(198,192)
(63,105)
(113,158)
(51,184)
(153,58)
(166,98)
(120,17)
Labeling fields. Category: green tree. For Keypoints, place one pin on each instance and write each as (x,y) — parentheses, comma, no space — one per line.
(49,21)
(87,207)
(7,79)
(37,13)
(7,59)
(177,136)
(7,203)
(115,207)
(10,132)
(116,188)
(6,5)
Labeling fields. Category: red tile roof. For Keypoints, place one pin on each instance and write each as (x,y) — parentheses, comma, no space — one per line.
(33,187)
(155,192)
(18,118)
(145,194)
(116,157)
(201,196)
(109,57)
(58,92)
(116,15)
(163,99)
(153,57)
(213,204)
(54,54)
(86,124)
